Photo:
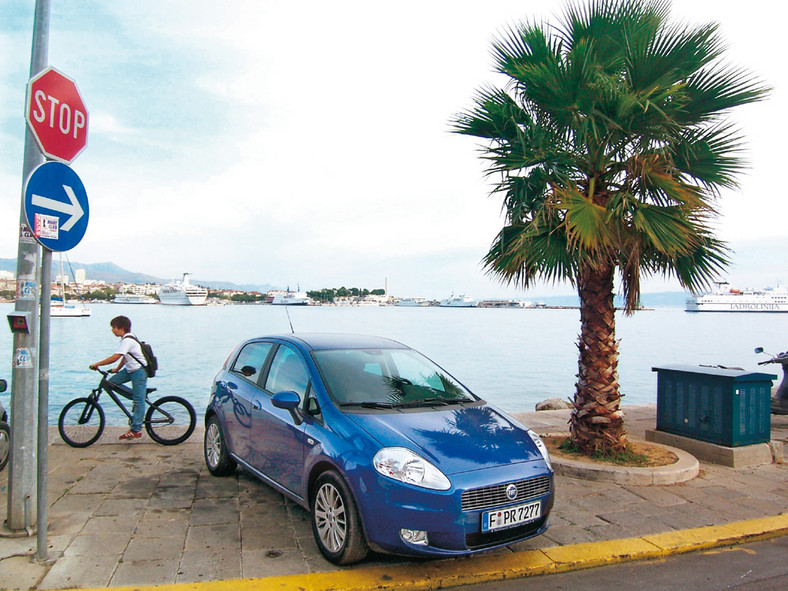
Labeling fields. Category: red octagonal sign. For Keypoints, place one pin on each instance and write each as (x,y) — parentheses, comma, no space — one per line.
(57,115)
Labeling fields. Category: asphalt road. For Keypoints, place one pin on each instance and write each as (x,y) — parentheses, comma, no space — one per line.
(758,566)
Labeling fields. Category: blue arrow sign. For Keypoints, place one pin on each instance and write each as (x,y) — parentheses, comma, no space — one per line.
(56,206)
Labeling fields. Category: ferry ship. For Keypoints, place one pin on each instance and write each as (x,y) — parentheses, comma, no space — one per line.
(460,301)
(414,302)
(727,299)
(183,293)
(133,298)
(289,298)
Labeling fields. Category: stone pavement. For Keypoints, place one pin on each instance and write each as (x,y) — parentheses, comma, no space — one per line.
(138,514)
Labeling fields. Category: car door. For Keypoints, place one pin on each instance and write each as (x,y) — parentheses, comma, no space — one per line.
(240,389)
(277,442)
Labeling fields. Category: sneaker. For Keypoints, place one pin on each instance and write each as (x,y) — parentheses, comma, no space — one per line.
(131,435)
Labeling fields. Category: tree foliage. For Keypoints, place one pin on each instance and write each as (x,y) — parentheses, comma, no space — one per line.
(610,144)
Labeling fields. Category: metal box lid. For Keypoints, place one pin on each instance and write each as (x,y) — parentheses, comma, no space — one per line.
(736,374)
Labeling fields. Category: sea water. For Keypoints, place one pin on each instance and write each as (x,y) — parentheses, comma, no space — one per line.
(513,358)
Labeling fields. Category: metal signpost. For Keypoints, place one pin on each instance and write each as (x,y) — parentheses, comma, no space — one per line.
(54,214)
(24,389)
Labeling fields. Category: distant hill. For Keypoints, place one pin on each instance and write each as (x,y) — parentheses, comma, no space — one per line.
(669,299)
(664,299)
(112,273)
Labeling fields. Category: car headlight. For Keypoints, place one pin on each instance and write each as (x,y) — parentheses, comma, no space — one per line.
(402,464)
(541,447)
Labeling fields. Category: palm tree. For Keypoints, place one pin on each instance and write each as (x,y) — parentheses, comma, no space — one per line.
(612,143)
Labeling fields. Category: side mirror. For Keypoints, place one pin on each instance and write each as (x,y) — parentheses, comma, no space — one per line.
(759,349)
(288,401)
(3,385)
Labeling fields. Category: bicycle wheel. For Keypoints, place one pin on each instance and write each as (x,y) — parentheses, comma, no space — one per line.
(81,422)
(170,420)
(5,443)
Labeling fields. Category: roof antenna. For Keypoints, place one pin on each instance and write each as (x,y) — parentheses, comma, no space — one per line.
(290,321)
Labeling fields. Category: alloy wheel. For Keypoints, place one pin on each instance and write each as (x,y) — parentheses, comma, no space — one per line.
(330,517)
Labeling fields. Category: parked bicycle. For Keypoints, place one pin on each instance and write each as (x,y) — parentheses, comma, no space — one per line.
(170,420)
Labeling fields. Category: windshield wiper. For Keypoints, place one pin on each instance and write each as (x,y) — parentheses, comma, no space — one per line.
(369,404)
(435,401)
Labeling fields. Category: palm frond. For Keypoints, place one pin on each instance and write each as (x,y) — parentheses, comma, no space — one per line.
(611,143)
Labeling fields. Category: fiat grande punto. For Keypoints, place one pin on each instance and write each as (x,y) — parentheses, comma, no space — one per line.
(384,448)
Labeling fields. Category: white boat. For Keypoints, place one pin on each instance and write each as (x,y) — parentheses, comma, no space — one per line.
(727,299)
(460,301)
(414,302)
(58,309)
(291,298)
(65,309)
(133,298)
(183,293)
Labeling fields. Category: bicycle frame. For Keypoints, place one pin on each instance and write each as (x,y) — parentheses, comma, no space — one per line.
(111,389)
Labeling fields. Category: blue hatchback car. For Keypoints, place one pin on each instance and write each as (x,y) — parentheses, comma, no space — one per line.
(384,448)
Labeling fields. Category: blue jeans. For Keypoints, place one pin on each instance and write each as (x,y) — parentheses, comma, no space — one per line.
(139,383)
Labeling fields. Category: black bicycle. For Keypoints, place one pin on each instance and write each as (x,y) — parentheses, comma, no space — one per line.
(170,420)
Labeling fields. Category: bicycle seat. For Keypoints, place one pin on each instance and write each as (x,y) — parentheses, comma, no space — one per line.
(149,390)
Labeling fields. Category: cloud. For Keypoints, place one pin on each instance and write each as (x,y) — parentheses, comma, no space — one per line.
(308,141)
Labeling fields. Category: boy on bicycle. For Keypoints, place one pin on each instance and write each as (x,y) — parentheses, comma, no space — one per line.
(131,368)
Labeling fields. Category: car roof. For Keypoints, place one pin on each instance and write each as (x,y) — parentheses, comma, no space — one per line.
(317,341)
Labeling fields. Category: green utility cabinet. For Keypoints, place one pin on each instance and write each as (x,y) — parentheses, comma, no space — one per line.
(728,407)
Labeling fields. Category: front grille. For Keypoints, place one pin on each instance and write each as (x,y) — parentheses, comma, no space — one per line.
(495,496)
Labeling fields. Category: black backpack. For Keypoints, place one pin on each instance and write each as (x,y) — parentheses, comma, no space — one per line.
(151,363)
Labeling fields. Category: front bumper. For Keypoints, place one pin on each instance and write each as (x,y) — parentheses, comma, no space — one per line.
(386,506)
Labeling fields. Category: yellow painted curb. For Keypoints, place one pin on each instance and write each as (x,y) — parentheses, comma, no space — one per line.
(590,554)
(499,565)
(719,535)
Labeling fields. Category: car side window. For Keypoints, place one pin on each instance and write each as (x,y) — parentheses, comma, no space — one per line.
(287,373)
(251,359)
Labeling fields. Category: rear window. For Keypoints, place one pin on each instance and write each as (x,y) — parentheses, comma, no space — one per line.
(251,359)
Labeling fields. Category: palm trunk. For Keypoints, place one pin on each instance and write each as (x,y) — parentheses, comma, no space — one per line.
(597,423)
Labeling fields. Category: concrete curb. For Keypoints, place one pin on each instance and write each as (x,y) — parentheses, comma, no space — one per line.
(686,468)
(499,566)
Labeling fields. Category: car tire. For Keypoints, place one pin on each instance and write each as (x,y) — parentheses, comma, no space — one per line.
(5,444)
(335,520)
(217,457)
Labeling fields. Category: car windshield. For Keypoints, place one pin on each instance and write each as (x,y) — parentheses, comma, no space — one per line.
(387,378)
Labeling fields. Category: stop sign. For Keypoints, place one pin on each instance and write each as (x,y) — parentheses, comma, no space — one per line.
(57,115)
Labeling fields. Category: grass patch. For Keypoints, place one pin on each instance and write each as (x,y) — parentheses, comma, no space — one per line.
(636,455)
(628,457)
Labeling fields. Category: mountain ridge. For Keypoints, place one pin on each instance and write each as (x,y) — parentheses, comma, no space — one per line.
(112,273)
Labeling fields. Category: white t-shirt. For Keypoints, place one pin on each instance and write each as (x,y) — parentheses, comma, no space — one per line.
(131,351)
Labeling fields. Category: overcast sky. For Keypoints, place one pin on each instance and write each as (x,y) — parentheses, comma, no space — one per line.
(307,143)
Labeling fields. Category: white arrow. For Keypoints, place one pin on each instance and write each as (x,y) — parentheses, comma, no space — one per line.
(74,209)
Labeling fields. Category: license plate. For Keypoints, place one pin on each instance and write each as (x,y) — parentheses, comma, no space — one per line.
(511,516)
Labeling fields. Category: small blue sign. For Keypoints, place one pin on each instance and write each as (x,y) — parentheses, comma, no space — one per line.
(56,206)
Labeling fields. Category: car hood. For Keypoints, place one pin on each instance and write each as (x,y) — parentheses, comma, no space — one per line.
(455,440)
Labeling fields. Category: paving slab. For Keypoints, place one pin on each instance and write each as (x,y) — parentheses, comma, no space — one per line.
(138,514)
